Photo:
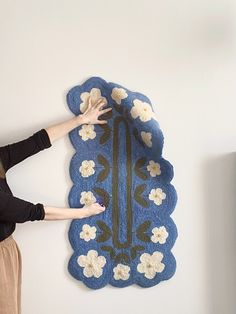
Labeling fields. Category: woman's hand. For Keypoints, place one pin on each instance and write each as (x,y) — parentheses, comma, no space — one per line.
(93,111)
(93,209)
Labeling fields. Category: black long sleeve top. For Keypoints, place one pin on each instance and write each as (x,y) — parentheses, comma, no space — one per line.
(13,209)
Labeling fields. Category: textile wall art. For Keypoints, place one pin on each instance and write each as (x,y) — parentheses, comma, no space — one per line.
(121,164)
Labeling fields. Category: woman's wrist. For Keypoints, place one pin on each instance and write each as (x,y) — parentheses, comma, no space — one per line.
(57,213)
(81,119)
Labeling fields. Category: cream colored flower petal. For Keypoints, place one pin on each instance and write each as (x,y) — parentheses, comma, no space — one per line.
(85,237)
(146,137)
(82,260)
(134,112)
(91,163)
(159,267)
(97,272)
(92,254)
(83,107)
(137,103)
(155,230)
(157,257)
(163,196)
(146,112)
(140,268)
(101,260)
(125,276)
(157,201)
(85,227)
(116,276)
(151,195)
(84,96)
(88,271)
(145,117)
(95,93)
(92,235)
(145,257)
(150,274)
(93,228)
(154,239)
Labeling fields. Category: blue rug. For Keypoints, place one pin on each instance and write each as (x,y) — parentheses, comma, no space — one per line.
(120,164)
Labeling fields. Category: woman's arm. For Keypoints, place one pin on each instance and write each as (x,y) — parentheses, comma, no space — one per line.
(18,210)
(59,213)
(13,153)
(90,116)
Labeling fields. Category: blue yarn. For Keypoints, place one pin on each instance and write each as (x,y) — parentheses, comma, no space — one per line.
(113,239)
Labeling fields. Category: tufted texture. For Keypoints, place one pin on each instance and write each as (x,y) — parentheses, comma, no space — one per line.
(121,164)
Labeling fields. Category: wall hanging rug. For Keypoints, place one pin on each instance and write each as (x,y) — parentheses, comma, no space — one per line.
(120,163)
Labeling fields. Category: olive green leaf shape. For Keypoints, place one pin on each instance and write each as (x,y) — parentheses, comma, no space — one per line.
(122,257)
(140,163)
(136,136)
(106,134)
(106,115)
(2,171)
(126,115)
(137,195)
(105,196)
(140,232)
(135,249)
(110,250)
(104,173)
(119,108)
(106,231)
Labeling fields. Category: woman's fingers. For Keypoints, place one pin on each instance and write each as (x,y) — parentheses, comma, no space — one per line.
(102,121)
(89,101)
(105,110)
(100,103)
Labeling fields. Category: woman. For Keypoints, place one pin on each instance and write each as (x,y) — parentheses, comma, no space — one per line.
(15,210)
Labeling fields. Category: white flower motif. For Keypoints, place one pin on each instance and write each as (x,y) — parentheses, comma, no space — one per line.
(151,264)
(86,168)
(154,168)
(118,94)
(87,198)
(121,272)
(141,109)
(159,234)
(147,138)
(92,263)
(87,132)
(95,95)
(88,233)
(157,195)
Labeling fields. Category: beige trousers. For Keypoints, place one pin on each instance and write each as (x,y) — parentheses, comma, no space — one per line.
(10,277)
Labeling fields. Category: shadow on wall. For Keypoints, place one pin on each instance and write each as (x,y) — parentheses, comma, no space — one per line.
(220,211)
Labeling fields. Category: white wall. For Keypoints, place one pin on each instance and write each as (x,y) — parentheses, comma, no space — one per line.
(179,54)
